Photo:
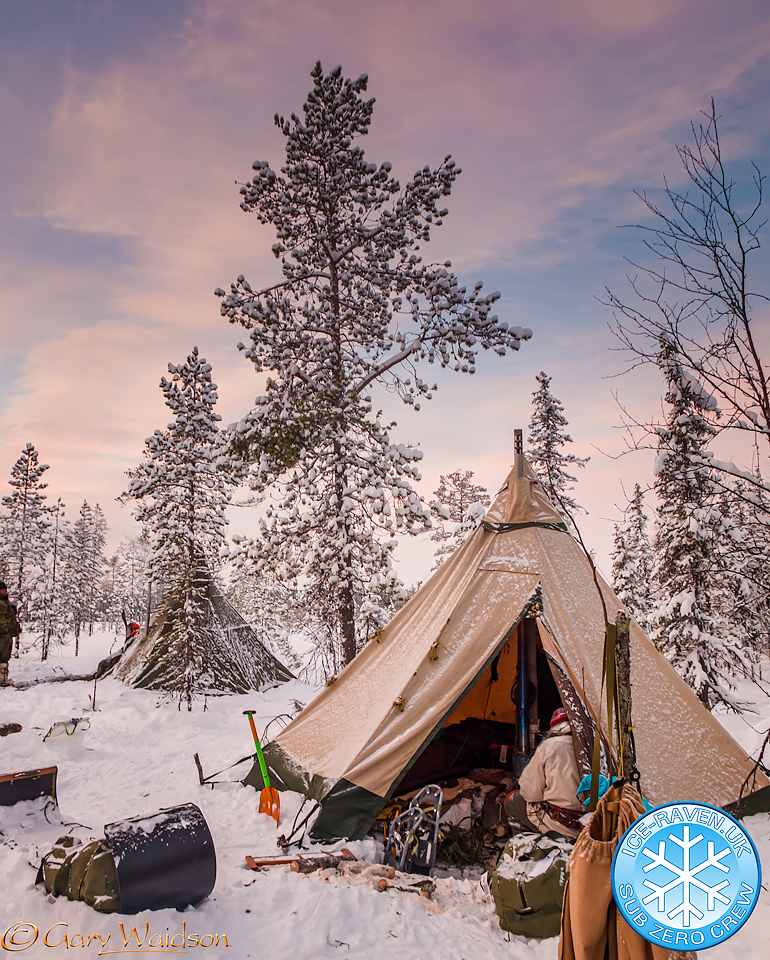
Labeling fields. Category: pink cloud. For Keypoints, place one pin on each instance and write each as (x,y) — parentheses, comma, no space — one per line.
(546,106)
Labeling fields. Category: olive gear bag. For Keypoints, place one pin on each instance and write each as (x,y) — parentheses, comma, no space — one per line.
(528,884)
(84,872)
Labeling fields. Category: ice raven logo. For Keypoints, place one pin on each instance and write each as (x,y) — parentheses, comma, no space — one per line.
(686,875)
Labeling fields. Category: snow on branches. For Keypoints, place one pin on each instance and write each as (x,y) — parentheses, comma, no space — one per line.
(546,455)
(633,562)
(356,307)
(182,497)
(692,548)
(25,529)
(460,508)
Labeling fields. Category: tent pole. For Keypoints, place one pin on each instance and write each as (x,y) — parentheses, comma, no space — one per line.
(523,717)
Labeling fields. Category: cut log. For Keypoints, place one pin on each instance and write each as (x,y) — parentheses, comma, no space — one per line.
(322,860)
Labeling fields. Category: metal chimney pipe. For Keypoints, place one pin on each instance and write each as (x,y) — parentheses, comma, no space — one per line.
(518,452)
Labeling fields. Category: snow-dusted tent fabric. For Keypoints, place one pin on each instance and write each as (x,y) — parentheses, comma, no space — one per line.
(353,744)
(235,661)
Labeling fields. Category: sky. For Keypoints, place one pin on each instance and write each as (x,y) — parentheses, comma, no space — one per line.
(126,124)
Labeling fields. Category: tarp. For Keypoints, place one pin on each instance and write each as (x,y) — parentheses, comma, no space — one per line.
(353,743)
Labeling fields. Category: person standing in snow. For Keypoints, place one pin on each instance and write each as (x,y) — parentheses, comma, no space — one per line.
(546,797)
(9,630)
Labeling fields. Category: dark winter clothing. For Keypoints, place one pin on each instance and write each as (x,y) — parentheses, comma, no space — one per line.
(9,630)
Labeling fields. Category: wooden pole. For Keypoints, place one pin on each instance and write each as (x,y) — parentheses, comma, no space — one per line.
(625,723)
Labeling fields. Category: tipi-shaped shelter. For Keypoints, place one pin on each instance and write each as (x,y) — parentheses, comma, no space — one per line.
(519,590)
(234,659)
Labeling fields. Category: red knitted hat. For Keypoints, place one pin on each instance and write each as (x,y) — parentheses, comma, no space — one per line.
(559,716)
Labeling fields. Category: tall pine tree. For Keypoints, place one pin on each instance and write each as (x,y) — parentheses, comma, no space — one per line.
(690,625)
(182,499)
(25,529)
(633,562)
(356,308)
(546,454)
(84,568)
(54,619)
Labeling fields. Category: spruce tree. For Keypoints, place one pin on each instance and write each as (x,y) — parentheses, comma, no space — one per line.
(85,565)
(271,609)
(746,506)
(355,308)
(625,573)
(633,562)
(689,622)
(54,620)
(131,576)
(459,509)
(546,455)
(182,499)
(25,529)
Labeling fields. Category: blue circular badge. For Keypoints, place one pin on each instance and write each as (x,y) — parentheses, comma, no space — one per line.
(686,875)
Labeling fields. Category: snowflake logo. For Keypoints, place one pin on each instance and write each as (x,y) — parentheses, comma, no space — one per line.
(686,876)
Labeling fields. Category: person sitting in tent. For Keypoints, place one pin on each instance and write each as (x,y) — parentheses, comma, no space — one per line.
(546,797)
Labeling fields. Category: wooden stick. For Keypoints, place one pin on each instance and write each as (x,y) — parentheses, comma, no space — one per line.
(625,722)
(323,860)
(200,768)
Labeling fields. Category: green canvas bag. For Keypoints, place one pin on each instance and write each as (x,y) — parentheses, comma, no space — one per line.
(528,884)
(84,872)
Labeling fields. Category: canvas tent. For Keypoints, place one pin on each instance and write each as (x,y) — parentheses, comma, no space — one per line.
(235,659)
(449,660)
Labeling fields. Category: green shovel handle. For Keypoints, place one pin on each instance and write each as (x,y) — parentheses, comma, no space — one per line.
(260,757)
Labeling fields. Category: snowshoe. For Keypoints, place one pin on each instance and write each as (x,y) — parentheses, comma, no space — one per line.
(413,835)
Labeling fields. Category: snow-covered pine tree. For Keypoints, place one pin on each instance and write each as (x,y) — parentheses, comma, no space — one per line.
(625,573)
(76,578)
(84,568)
(182,499)
(271,609)
(130,579)
(25,529)
(747,588)
(356,307)
(638,538)
(546,454)
(459,509)
(633,562)
(689,624)
(54,619)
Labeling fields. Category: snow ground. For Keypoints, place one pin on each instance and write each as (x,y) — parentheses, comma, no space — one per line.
(137,757)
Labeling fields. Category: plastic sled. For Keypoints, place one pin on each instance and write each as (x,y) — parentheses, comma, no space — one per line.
(164,860)
(27,785)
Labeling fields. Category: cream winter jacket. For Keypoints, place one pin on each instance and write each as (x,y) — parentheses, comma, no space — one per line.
(552,775)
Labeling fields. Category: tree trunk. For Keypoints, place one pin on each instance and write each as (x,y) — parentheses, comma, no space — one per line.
(347,624)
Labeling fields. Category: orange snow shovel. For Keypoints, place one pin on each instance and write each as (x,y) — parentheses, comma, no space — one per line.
(269,800)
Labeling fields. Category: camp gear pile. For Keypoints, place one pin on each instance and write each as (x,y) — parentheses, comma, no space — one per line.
(143,863)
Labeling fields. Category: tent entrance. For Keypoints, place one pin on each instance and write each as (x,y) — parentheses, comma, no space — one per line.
(488,726)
